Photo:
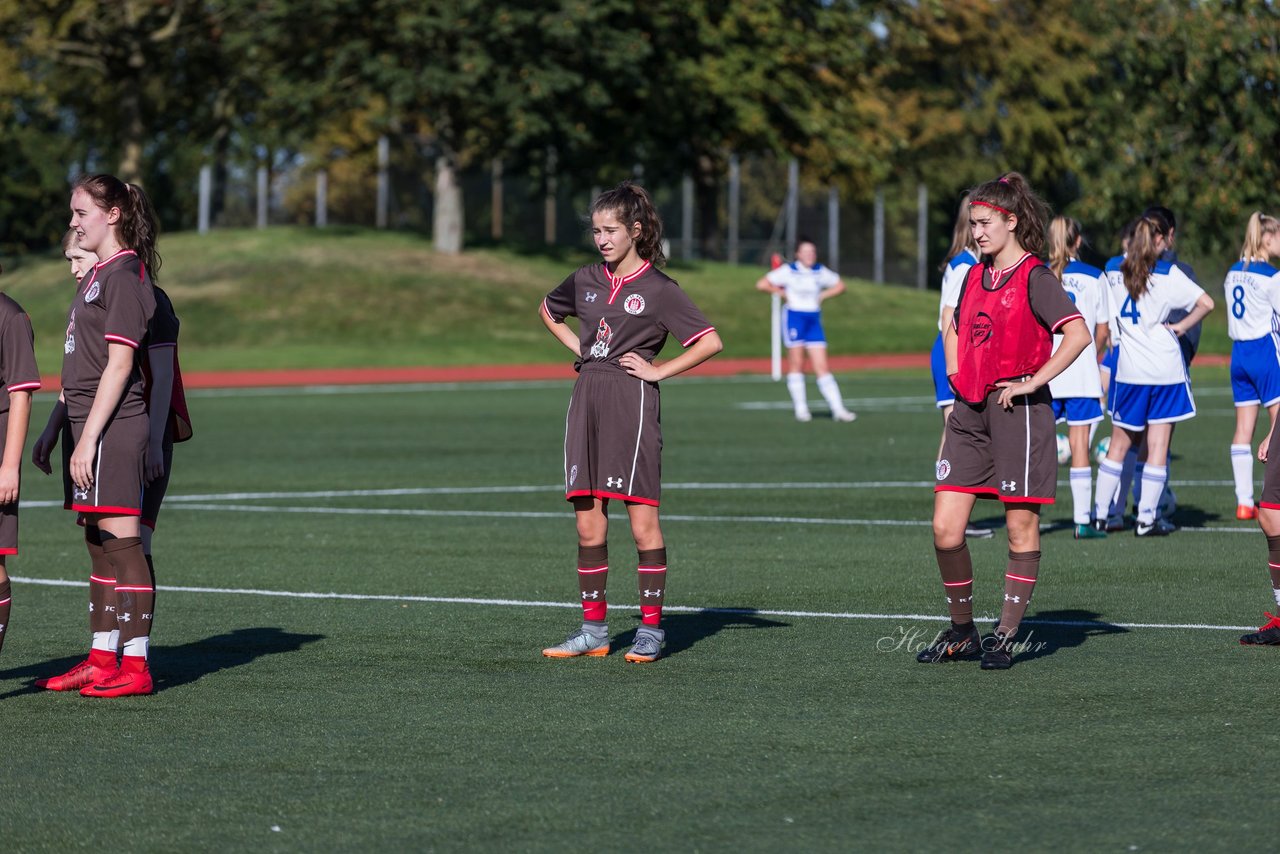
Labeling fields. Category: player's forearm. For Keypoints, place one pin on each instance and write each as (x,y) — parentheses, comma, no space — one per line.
(561,331)
(701,350)
(949,343)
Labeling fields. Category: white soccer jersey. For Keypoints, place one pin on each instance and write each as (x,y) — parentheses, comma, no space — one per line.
(1253,298)
(1087,287)
(1115,279)
(803,284)
(952,279)
(1150,353)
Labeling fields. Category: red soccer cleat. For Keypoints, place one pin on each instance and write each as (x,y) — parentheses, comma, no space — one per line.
(123,683)
(1245,512)
(1267,635)
(84,673)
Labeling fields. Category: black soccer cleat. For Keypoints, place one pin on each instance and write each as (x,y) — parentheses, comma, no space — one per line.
(1158,528)
(1267,635)
(997,652)
(953,644)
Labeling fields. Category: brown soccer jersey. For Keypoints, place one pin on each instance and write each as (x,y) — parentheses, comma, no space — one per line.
(632,314)
(18,371)
(113,305)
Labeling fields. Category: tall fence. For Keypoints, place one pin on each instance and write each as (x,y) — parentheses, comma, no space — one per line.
(765,203)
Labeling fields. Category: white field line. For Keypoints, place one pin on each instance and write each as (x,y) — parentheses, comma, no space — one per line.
(682,609)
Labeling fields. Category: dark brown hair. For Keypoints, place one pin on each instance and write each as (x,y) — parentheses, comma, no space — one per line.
(631,204)
(137,228)
(1010,194)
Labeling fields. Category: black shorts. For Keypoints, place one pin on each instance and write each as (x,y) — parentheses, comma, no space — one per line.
(118,468)
(997,453)
(613,437)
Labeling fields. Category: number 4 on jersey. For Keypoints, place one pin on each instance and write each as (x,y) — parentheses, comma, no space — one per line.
(1130,310)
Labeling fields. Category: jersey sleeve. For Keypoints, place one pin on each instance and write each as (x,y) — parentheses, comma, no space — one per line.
(162,331)
(680,317)
(952,279)
(1183,292)
(828,278)
(777,277)
(1049,301)
(562,302)
(130,305)
(17,351)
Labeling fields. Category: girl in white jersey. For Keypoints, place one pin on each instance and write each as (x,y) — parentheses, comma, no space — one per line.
(1253,300)
(805,284)
(1078,389)
(1152,391)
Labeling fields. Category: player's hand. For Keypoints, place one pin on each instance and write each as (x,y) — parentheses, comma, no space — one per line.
(1262,448)
(82,464)
(1177,330)
(9,480)
(155,462)
(639,368)
(41,451)
(1008,391)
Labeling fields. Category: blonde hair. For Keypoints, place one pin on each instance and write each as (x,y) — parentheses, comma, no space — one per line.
(961,236)
(1064,236)
(1259,226)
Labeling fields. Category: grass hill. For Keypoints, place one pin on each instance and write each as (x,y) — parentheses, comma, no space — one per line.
(292,297)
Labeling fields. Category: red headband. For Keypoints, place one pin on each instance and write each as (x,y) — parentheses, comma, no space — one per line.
(994,207)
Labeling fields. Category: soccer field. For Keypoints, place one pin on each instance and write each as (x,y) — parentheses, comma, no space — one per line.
(356,584)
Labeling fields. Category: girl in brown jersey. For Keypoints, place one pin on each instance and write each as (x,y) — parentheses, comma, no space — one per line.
(103,398)
(1000,440)
(613,440)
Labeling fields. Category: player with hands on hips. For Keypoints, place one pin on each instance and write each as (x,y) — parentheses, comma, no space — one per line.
(1152,391)
(805,285)
(626,308)
(1000,441)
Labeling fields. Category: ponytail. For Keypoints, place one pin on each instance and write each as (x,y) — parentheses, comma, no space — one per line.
(631,205)
(137,228)
(961,236)
(1260,225)
(1064,237)
(1011,195)
(1142,256)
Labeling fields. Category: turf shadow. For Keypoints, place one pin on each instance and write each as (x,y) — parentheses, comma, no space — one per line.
(683,630)
(1051,631)
(182,665)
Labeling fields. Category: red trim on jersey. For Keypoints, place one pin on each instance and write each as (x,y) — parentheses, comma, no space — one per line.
(119,254)
(27,386)
(106,511)
(120,339)
(615,284)
(1064,321)
(698,335)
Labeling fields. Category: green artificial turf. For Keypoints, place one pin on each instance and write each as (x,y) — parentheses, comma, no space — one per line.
(397,723)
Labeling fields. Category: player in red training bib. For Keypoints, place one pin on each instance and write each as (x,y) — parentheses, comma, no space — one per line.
(626,309)
(1000,440)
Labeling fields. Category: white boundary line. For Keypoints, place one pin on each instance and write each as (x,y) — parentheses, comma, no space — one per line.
(682,609)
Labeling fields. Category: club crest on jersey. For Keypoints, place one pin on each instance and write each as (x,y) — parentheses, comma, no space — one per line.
(982,328)
(604,334)
(92,294)
(633,304)
(944,469)
(69,345)
(590,296)
(1008,297)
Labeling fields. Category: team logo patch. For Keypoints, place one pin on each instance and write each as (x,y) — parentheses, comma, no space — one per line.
(573,475)
(604,334)
(634,304)
(1008,297)
(944,469)
(981,330)
(92,294)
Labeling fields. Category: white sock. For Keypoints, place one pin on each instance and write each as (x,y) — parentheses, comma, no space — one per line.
(1105,491)
(1081,491)
(137,647)
(1126,480)
(1242,471)
(102,641)
(1153,481)
(831,391)
(795,385)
